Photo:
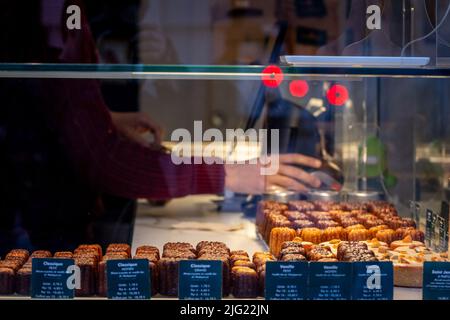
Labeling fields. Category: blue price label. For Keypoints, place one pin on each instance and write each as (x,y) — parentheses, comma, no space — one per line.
(200,280)
(286,280)
(330,281)
(373,281)
(53,278)
(436,281)
(128,279)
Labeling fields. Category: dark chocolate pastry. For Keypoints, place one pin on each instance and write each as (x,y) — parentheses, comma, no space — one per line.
(293,257)
(244,283)
(6,281)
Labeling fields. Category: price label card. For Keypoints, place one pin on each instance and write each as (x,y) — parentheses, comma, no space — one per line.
(373,281)
(128,279)
(200,280)
(53,278)
(286,280)
(330,281)
(436,281)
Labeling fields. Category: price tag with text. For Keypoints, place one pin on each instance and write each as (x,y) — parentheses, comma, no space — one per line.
(436,281)
(200,280)
(128,279)
(54,278)
(330,281)
(373,281)
(286,280)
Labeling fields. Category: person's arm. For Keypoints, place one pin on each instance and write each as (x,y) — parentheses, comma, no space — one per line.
(115,165)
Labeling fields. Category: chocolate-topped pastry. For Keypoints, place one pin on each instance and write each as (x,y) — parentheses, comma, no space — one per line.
(7,276)
(211,244)
(318,252)
(63,255)
(88,276)
(295,215)
(302,206)
(301,224)
(214,251)
(358,255)
(297,257)
(119,247)
(244,282)
(292,244)
(345,246)
(23,281)
(292,250)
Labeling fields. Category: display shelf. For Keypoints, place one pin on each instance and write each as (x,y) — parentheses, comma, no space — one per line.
(204,72)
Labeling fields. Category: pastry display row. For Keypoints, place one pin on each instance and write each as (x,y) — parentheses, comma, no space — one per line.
(328,231)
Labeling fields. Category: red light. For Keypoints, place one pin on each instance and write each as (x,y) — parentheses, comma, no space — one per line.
(299,88)
(272,77)
(337,95)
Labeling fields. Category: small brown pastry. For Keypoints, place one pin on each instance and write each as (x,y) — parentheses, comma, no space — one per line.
(244,282)
(324,224)
(353,227)
(300,205)
(319,252)
(88,274)
(320,216)
(334,233)
(386,235)
(348,222)
(96,247)
(7,276)
(295,215)
(278,236)
(225,271)
(102,283)
(292,250)
(119,247)
(41,254)
(63,255)
(296,257)
(345,246)
(313,235)
(239,253)
(168,276)
(179,254)
(23,281)
(244,263)
(373,231)
(415,234)
(301,224)
(148,249)
(233,259)
(358,235)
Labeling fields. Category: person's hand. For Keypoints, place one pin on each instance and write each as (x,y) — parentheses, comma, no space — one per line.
(152,44)
(134,125)
(247,178)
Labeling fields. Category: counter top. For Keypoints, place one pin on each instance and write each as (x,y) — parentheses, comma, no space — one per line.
(194,219)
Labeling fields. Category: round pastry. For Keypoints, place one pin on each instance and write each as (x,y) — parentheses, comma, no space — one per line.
(373,231)
(292,250)
(334,233)
(278,236)
(415,234)
(324,224)
(358,235)
(386,235)
(313,235)
(407,242)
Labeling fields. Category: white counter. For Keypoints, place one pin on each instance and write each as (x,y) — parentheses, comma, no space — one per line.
(176,222)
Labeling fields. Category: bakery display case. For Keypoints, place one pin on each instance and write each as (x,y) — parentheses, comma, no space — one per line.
(382,137)
(240,136)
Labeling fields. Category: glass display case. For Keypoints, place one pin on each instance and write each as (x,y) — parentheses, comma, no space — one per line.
(289,137)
